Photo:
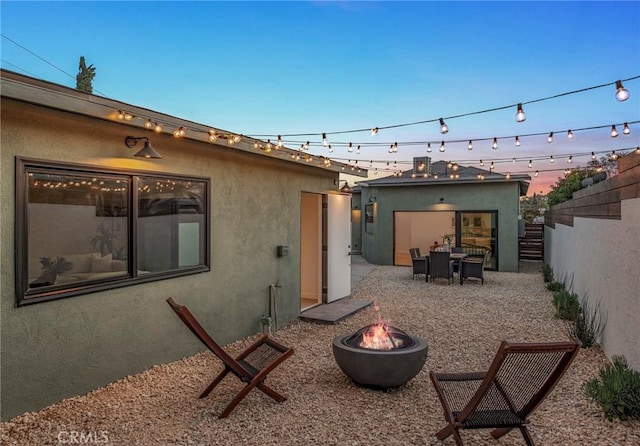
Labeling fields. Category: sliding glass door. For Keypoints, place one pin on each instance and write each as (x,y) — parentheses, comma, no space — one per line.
(479,229)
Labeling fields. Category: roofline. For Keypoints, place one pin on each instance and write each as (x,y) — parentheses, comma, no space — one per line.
(59,97)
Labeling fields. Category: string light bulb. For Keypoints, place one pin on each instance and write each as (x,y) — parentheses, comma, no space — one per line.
(637,150)
(443,127)
(626,130)
(520,116)
(280,142)
(622,94)
(148,125)
(374,131)
(517,141)
(494,145)
(614,131)
(491,167)
(530,164)
(428,147)
(570,135)
(350,149)
(470,147)
(442,146)
(551,160)
(358,150)
(570,159)
(179,132)
(536,174)
(213,137)
(508,176)
(324,140)
(614,155)
(550,138)
(481,163)
(157,128)
(593,156)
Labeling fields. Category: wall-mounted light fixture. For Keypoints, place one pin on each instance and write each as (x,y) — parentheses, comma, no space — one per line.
(146,152)
(441,200)
(346,189)
(372,199)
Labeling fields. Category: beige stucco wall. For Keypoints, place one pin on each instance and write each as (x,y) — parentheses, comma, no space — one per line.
(66,347)
(597,259)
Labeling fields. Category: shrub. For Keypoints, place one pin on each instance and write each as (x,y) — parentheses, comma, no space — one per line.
(588,324)
(567,305)
(547,273)
(555,286)
(617,391)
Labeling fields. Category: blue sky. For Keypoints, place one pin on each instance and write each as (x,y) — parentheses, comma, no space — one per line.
(266,68)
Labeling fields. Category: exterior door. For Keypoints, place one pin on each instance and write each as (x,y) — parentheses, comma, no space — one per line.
(337,256)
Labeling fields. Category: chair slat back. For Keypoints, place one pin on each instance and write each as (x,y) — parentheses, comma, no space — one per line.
(521,376)
(192,323)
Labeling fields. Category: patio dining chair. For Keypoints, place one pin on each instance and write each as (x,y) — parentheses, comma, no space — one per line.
(503,397)
(472,267)
(420,264)
(251,366)
(440,265)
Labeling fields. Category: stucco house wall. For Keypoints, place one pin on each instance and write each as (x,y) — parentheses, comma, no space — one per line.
(65,347)
(463,196)
(595,254)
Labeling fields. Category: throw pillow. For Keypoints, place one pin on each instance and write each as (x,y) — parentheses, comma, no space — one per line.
(100,264)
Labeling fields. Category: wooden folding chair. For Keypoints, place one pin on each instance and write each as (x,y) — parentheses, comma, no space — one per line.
(251,366)
(502,398)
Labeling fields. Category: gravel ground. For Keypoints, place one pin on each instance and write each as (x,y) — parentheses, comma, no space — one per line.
(463,324)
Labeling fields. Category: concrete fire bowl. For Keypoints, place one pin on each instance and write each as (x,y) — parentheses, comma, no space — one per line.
(380,369)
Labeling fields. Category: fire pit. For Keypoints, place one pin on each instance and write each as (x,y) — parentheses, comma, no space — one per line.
(380,356)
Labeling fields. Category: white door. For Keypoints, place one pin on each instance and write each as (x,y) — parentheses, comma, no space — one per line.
(338,240)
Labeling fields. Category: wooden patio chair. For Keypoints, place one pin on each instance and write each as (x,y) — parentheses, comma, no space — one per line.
(251,366)
(502,398)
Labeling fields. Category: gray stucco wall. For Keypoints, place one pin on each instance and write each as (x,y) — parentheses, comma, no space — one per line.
(503,197)
(66,347)
(596,259)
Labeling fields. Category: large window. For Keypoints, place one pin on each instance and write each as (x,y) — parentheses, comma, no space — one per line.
(81,229)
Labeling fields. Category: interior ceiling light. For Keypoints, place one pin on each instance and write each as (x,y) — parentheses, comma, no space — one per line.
(146,152)
(622,94)
(626,130)
(443,127)
(520,116)
(614,132)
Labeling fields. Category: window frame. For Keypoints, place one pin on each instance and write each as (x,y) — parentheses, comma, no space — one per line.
(27,296)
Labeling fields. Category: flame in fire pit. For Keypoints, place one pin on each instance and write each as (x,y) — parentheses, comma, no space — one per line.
(379,338)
